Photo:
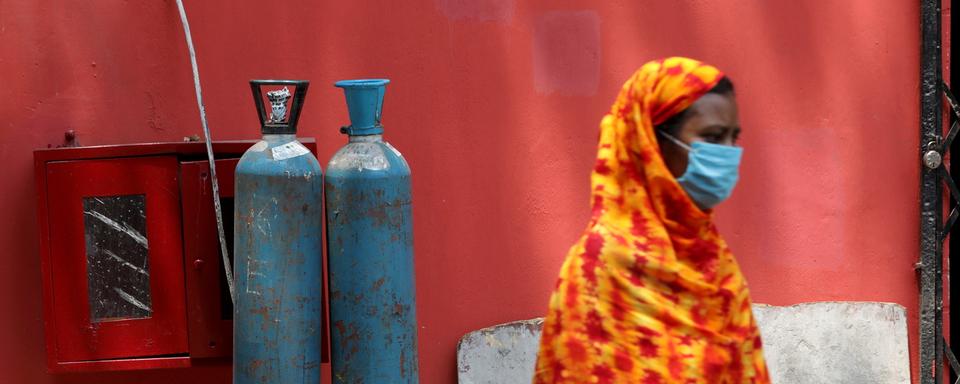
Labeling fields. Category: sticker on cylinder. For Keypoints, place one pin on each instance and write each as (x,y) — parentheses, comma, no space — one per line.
(289,150)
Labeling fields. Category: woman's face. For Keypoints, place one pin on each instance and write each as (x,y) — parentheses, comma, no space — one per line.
(713,119)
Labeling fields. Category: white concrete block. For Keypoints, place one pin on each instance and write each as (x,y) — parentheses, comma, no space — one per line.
(835,342)
(828,342)
(503,354)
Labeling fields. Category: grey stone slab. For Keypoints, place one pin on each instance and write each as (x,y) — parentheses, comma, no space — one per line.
(827,342)
(502,354)
(836,342)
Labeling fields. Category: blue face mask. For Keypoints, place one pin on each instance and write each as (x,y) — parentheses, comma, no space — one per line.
(712,171)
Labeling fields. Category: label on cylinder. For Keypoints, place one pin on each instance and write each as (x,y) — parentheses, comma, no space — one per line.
(289,150)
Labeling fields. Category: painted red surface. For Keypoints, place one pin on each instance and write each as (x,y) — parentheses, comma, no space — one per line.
(496,105)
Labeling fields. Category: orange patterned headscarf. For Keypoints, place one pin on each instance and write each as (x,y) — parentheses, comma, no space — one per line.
(650,294)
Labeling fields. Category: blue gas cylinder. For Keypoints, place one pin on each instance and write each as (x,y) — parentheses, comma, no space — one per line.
(277,250)
(370,250)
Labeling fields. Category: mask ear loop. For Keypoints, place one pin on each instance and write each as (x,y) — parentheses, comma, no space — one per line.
(675,141)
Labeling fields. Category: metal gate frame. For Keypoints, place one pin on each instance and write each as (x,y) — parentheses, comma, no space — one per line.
(934,176)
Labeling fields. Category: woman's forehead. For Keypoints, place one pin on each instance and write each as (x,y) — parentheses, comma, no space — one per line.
(715,109)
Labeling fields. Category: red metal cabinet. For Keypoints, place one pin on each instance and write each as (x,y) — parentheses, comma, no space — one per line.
(116,258)
(130,261)
(208,298)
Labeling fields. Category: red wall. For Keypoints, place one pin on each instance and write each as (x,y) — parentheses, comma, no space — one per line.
(495,104)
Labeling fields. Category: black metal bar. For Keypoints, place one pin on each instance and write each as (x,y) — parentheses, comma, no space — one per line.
(949,225)
(950,136)
(950,357)
(931,199)
(300,93)
(950,98)
(951,185)
(955,109)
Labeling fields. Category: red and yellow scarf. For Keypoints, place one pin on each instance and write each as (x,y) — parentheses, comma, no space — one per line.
(651,293)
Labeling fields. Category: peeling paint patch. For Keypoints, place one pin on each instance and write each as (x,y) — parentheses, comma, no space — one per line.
(477,10)
(566,53)
(260,146)
(361,156)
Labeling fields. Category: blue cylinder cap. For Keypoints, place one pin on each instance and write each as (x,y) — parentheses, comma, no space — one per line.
(365,105)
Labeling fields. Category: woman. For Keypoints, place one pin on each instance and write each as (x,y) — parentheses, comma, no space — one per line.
(651,293)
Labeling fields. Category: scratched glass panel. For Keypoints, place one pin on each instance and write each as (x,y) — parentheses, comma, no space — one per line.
(118,270)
